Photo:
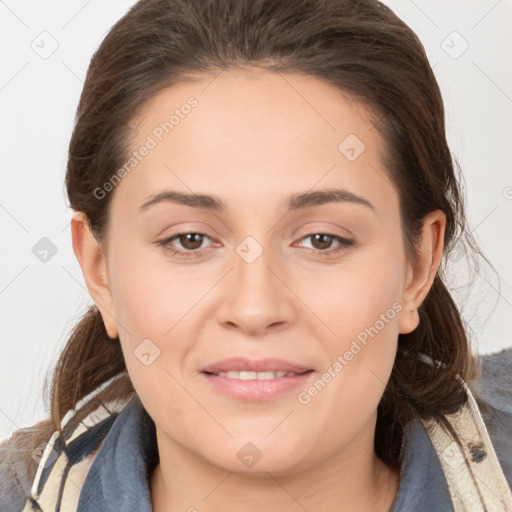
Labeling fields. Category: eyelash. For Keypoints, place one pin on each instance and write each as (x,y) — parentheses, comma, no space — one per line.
(345,243)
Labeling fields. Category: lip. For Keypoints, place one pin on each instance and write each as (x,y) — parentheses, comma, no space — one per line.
(256,390)
(251,365)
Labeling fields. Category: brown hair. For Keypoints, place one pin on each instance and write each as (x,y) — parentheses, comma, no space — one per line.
(360,47)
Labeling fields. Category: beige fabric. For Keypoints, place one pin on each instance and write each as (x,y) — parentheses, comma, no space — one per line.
(72,486)
(75,478)
(475,478)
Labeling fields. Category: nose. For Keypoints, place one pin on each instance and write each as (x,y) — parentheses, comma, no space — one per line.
(257,296)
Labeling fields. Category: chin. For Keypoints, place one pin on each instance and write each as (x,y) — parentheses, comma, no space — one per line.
(258,458)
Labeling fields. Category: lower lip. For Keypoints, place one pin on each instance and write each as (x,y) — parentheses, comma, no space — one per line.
(256,390)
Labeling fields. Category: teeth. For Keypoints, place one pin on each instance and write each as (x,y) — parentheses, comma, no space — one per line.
(254,375)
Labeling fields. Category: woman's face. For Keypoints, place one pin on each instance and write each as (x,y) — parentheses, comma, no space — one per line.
(289,164)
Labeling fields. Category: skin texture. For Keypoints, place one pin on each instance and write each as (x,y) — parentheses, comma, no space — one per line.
(254,139)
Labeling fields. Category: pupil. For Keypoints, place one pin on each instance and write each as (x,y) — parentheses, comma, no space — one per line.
(188,239)
(322,238)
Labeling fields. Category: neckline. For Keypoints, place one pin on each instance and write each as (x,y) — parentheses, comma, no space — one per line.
(120,475)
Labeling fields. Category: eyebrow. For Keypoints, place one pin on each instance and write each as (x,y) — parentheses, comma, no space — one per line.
(295,202)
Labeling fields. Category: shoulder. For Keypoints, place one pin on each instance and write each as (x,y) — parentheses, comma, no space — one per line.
(496,371)
(15,477)
(493,394)
(43,454)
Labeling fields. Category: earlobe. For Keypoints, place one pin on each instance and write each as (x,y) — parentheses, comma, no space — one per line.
(92,261)
(421,273)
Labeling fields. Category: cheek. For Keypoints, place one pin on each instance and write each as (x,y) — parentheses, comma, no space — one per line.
(153,307)
(359,309)
(346,299)
(360,360)
(151,297)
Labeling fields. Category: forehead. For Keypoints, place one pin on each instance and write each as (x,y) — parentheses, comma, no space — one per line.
(249,133)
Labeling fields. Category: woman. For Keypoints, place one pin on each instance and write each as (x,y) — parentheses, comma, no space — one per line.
(263,198)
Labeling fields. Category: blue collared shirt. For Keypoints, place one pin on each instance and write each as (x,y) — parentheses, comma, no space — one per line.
(118,479)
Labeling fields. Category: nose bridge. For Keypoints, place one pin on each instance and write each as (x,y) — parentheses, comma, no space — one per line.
(252,266)
(255,284)
(257,297)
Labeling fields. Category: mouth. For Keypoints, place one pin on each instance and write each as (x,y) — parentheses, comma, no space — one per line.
(246,366)
(251,380)
(246,375)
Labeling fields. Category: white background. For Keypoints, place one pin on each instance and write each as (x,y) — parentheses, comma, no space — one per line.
(40,302)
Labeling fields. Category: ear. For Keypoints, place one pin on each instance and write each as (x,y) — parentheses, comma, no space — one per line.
(93,263)
(421,273)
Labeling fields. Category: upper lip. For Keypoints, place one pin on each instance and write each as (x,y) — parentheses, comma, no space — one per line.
(261,365)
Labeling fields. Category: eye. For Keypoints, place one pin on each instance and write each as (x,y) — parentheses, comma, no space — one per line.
(322,241)
(191,242)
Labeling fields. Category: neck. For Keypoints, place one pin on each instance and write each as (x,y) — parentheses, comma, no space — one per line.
(185,482)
